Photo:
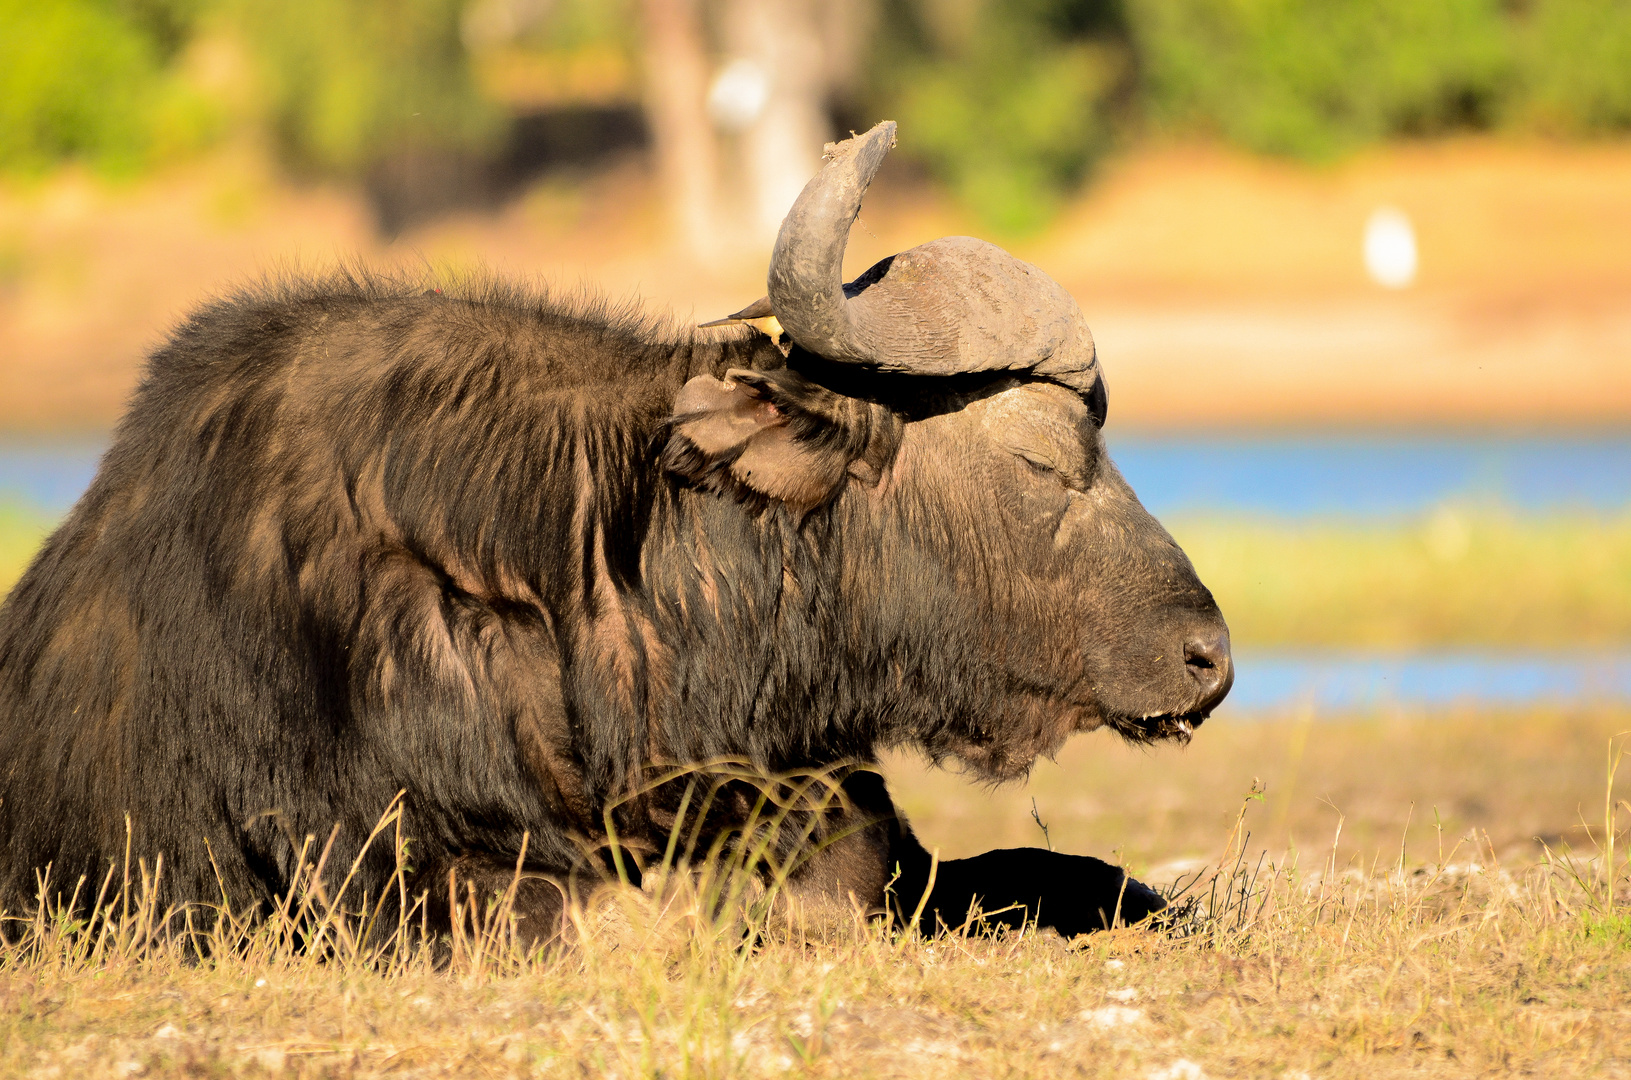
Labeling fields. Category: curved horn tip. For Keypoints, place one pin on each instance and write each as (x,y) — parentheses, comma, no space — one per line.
(805,279)
(878,139)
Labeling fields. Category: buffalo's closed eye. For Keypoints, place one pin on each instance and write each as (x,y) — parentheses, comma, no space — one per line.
(1038,463)
(1042,464)
(1041,497)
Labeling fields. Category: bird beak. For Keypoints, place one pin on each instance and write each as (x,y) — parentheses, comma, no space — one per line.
(759,316)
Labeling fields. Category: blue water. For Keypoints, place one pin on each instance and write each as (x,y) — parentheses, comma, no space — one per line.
(1374,474)
(1333,682)
(1365,475)
(48,476)
(1356,476)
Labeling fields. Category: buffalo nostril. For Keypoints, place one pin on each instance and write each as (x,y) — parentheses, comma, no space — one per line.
(1208,663)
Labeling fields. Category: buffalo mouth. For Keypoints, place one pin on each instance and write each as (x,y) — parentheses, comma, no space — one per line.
(1160,727)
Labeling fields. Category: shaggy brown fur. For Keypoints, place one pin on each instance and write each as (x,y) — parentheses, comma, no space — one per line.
(360,536)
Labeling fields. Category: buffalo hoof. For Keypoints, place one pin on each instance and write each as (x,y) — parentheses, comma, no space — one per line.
(1015,887)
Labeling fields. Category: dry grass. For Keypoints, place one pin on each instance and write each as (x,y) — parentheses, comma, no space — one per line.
(22,530)
(1319,965)
(1393,777)
(1460,575)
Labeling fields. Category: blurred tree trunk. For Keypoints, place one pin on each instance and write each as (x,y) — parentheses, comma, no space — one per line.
(676,93)
(781,147)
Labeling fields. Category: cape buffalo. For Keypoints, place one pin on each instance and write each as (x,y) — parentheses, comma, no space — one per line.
(507,554)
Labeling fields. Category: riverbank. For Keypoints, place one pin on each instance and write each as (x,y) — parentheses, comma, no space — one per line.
(1224,291)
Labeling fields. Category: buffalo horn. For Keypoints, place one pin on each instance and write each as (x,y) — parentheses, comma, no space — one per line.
(952,306)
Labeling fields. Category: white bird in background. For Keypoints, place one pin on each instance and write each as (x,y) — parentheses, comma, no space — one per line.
(738,95)
(1390,248)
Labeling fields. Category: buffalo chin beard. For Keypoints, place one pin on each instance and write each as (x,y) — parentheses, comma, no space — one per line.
(1157,727)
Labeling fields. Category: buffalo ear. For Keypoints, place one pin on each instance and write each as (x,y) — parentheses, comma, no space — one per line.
(748,430)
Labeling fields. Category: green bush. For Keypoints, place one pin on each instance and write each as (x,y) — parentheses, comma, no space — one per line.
(1314,77)
(1009,101)
(1575,63)
(78,80)
(344,82)
(351,81)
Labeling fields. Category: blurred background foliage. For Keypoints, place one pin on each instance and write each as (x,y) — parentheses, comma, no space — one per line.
(348,82)
(1310,78)
(98,80)
(1008,102)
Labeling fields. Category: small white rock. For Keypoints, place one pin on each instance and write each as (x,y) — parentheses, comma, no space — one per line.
(1112,1016)
(271,1058)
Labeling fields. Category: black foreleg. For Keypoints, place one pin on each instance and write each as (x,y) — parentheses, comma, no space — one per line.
(1073,894)
(881,865)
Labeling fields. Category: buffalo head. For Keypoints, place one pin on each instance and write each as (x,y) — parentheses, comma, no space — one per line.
(945,410)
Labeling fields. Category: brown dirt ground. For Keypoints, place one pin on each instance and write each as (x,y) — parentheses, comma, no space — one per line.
(1521,780)
(1223,290)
